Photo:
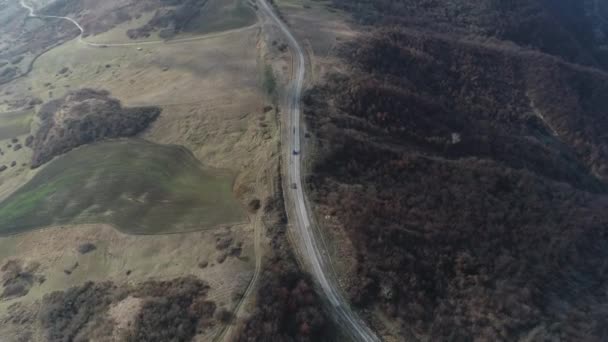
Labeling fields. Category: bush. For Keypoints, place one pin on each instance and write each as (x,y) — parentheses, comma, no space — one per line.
(86,248)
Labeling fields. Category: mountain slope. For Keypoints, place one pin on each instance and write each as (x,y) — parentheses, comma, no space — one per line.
(469,174)
(574,30)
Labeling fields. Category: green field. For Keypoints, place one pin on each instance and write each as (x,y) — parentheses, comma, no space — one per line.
(222,15)
(140,187)
(13,124)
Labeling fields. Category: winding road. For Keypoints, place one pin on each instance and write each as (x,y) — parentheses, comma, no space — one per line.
(345,317)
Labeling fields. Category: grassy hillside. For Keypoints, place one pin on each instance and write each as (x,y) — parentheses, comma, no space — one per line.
(140,187)
(15,123)
(196,16)
(223,15)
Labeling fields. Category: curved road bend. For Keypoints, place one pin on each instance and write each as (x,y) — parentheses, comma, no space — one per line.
(346,318)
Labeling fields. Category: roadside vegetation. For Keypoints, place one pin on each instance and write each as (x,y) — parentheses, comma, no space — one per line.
(287,305)
(269,82)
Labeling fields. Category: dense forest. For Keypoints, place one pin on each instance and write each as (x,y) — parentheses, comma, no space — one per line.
(576,30)
(469,173)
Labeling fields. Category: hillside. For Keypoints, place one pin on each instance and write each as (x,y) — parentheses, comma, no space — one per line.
(85,116)
(159,238)
(469,174)
(139,187)
(24,39)
(574,30)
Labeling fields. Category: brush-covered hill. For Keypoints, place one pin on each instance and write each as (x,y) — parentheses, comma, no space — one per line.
(576,30)
(469,173)
(85,116)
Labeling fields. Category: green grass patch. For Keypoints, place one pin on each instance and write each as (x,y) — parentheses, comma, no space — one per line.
(13,124)
(221,15)
(140,187)
(269,82)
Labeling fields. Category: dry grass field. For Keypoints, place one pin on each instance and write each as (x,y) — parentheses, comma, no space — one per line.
(212,104)
(53,255)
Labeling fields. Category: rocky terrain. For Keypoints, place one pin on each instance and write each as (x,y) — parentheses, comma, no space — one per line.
(85,116)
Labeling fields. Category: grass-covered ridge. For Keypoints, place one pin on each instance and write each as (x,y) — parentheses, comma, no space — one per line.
(137,186)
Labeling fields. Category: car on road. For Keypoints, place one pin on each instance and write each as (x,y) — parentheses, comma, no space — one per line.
(296,152)
(294,186)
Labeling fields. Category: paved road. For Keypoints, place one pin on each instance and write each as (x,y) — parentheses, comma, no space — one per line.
(346,318)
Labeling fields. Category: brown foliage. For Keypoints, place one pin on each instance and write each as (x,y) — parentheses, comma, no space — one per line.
(173,310)
(572,29)
(472,182)
(421,88)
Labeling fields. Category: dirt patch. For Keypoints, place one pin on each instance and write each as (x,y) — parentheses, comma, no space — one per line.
(124,314)
(85,116)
